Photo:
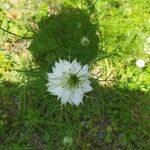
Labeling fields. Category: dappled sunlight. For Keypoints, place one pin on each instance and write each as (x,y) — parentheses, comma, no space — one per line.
(74,75)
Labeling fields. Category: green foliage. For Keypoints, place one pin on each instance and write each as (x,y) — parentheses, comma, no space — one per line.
(60,36)
(115,116)
(5,63)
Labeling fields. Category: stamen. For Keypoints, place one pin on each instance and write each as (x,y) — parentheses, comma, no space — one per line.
(73,80)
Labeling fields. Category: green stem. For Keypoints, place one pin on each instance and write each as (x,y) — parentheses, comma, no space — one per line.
(15,34)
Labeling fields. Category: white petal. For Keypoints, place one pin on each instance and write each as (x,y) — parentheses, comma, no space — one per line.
(58,72)
(62,67)
(86,87)
(84,71)
(50,75)
(77,97)
(76,67)
(56,90)
(65,96)
(67,66)
(55,83)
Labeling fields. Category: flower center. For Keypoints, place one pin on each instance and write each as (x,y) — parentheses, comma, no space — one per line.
(73,80)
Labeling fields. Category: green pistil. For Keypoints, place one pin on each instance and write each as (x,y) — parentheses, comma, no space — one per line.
(73,80)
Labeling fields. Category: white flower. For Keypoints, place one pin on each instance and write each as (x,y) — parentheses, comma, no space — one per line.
(67,140)
(69,81)
(140,63)
(85,41)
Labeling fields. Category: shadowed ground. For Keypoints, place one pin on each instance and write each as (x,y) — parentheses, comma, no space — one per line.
(59,37)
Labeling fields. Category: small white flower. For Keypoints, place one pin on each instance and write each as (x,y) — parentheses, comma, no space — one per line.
(69,81)
(140,63)
(85,41)
(67,140)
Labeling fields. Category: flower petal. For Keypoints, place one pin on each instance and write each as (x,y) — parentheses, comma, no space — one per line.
(59,85)
(65,96)
(77,97)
